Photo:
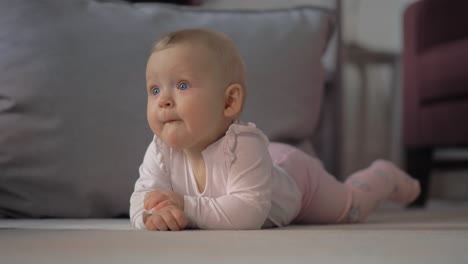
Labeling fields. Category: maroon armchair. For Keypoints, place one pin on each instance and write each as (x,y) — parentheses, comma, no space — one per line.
(435,83)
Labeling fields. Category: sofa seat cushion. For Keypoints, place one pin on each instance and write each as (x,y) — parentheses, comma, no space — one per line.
(444,72)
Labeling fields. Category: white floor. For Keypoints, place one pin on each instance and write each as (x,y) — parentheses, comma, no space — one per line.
(438,234)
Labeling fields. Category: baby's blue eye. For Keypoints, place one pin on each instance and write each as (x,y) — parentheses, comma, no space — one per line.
(183,86)
(156,91)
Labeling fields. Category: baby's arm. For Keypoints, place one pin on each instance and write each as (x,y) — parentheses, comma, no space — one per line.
(248,199)
(152,178)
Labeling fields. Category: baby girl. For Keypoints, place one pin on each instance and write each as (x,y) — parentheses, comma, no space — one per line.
(206,169)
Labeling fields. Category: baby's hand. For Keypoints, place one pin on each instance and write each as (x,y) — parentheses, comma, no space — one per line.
(167,218)
(157,200)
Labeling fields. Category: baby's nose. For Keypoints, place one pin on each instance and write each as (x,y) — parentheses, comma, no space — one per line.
(166,102)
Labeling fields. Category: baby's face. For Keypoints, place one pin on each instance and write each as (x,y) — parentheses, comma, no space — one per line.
(185,97)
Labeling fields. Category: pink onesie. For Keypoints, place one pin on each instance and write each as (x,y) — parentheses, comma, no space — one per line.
(252,184)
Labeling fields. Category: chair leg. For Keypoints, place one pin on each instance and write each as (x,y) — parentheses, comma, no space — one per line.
(418,165)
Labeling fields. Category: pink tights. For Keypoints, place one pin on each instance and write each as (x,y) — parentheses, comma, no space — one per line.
(326,200)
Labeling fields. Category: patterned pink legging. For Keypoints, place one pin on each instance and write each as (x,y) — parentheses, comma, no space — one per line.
(326,200)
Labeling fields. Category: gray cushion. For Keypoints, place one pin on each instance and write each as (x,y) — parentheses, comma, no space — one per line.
(72,100)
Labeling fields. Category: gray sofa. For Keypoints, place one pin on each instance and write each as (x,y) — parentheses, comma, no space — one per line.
(72,100)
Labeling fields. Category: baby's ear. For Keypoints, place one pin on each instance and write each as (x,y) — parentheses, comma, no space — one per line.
(234,97)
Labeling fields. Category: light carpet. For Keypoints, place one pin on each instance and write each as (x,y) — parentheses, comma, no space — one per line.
(391,236)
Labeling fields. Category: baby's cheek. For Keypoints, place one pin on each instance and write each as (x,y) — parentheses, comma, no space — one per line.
(154,126)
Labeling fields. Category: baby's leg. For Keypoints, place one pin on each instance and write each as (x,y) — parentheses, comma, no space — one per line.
(325,200)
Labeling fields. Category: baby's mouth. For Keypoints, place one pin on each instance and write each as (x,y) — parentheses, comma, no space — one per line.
(172,121)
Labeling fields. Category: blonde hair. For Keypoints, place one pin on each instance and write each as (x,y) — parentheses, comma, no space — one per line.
(222,47)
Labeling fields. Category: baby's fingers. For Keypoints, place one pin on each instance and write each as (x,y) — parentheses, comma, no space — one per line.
(162,205)
(152,199)
(156,223)
(170,222)
(180,218)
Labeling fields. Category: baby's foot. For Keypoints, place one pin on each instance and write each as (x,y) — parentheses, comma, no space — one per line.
(406,189)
